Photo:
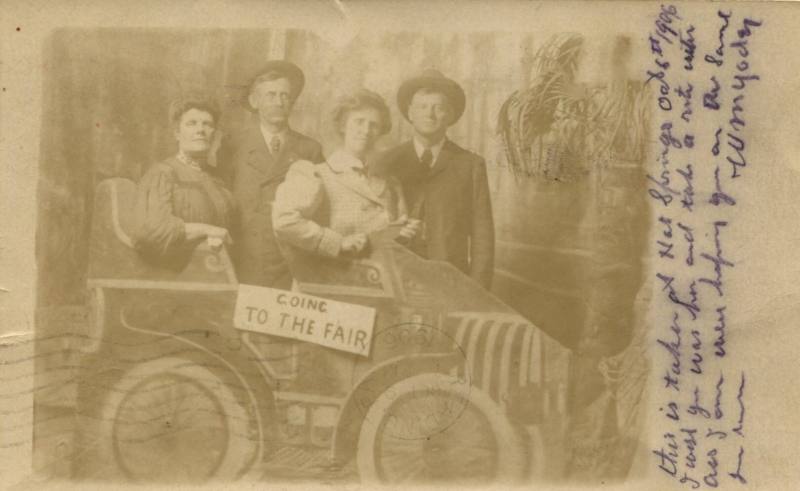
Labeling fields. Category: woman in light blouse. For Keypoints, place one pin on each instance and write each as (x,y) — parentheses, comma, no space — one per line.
(329,208)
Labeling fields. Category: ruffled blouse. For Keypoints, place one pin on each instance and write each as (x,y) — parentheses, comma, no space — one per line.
(170,194)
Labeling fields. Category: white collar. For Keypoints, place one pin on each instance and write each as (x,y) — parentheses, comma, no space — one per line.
(342,161)
(189,161)
(268,135)
(435,149)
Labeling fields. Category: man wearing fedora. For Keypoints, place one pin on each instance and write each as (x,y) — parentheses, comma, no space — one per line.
(255,163)
(445,185)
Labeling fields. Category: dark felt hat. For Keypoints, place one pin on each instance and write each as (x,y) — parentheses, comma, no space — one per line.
(434,80)
(291,71)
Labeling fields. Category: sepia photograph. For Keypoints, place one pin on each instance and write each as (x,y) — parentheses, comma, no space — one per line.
(385,253)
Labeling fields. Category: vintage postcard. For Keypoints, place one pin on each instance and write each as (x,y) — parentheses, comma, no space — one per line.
(356,244)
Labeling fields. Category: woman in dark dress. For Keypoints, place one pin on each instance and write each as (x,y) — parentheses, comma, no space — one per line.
(179,204)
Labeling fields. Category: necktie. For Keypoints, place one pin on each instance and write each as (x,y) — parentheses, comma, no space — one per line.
(275,145)
(427,158)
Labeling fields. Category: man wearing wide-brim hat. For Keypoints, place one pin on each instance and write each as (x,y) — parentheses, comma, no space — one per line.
(445,185)
(255,162)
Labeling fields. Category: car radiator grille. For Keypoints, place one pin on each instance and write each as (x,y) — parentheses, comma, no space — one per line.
(503,353)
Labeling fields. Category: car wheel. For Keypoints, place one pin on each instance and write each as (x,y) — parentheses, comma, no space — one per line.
(180,420)
(432,429)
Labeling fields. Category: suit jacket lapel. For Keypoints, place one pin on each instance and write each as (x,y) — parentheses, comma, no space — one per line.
(442,160)
(261,159)
(258,155)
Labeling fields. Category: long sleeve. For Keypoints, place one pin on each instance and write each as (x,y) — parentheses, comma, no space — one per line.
(158,234)
(297,201)
(482,233)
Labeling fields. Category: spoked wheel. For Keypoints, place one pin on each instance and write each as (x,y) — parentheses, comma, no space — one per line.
(430,429)
(175,420)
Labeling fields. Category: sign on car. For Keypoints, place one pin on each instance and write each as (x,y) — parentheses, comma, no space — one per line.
(337,325)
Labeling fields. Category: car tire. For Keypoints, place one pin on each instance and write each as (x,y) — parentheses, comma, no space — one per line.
(472,441)
(179,419)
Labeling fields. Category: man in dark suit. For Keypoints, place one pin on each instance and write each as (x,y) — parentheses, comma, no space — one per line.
(445,185)
(255,162)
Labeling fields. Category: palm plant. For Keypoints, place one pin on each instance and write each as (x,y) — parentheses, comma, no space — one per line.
(556,128)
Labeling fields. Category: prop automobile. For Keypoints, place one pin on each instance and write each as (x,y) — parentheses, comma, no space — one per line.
(455,384)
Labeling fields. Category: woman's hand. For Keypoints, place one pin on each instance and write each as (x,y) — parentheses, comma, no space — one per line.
(218,233)
(353,244)
(215,236)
